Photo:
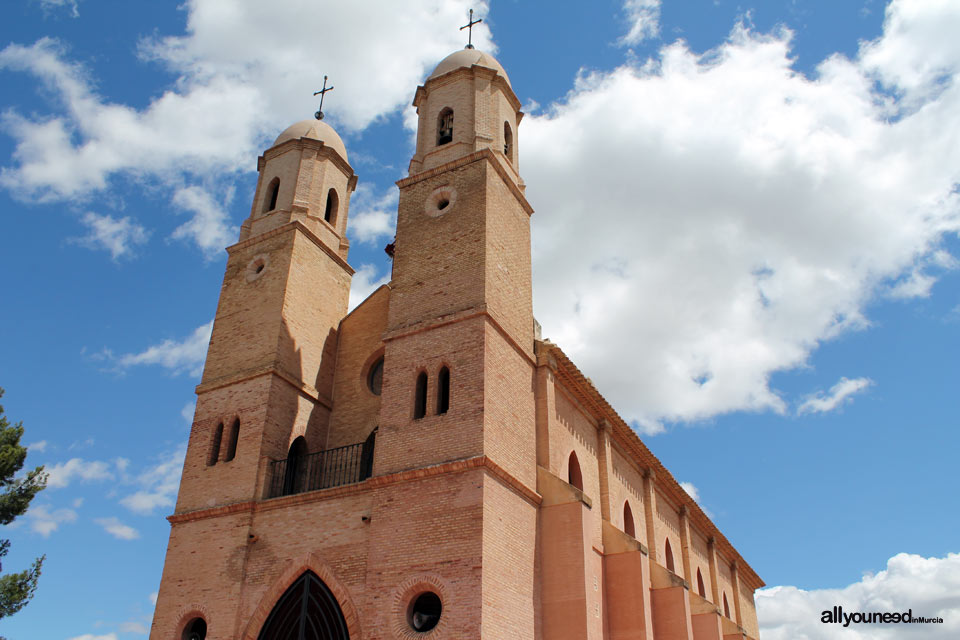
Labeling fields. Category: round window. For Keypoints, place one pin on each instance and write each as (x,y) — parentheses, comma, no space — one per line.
(425,610)
(440,201)
(375,377)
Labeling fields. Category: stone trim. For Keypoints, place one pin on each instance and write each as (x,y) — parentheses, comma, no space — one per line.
(250,374)
(290,226)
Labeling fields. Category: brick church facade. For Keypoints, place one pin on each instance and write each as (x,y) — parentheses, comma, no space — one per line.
(424,466)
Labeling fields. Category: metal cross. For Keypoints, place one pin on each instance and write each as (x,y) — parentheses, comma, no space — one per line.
(469,26)
(319,114)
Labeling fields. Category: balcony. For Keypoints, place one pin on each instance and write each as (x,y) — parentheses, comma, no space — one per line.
(321,470)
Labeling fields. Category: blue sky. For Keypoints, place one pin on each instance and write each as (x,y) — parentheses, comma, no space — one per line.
(746,234)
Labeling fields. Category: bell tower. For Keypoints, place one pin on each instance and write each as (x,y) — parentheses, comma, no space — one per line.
(269,369)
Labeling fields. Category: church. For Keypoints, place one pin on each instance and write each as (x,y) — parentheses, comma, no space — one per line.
(425,466)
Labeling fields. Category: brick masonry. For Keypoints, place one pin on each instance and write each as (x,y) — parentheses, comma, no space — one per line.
(471,504)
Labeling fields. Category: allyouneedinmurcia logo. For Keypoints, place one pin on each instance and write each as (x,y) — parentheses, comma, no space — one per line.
(837,616)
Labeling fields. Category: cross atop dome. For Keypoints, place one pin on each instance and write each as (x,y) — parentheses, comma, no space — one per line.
(469,26)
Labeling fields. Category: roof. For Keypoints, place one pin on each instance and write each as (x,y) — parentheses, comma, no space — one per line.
(316,130)
(467,58)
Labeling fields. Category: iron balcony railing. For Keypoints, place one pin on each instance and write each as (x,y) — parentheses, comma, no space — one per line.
(321,470)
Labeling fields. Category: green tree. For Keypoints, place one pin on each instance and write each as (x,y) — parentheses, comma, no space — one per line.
(16,589)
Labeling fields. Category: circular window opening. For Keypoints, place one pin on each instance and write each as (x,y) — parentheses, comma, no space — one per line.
(256,267)
(443,204)
(375,377)
(259,267)
(425,611)
(440,200)
(196,629)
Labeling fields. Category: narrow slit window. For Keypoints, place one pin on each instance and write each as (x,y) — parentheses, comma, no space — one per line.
(628,525)
(507,140)
(574,476)
(215,446)
(700,588)
(668,553)
(443,391)
(420,401)
(333,204)
(232,443)
(726,607)
(273,190)
(445,127)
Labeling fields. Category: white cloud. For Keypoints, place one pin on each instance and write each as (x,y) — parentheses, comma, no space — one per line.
(373,218)
(927,586)
(209,228)
(177,356)
(644,19)
(62,474)
(116,235)
(239,80)
(49,6)
(90,636)
(159,484)
(37,447)
(365,281)
(153,598)
(838,394)
(45,521)
(117,529)
(695,494)
(712,219)
(134,627)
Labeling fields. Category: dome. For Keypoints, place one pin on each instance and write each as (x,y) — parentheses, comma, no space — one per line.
(468,58)
(317,130)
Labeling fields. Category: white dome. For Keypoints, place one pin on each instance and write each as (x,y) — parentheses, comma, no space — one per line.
(467,58)
(316,130)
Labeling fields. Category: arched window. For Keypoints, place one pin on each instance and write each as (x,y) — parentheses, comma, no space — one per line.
(420,400)
(628,526)
(232,442)
(574,476)
(273,190)
(445,126)
(215,446)
(443,390)
(294,475)
(726,607)
(700,588)
(668,554)
(307,610)
(196,629)
(333,204)
(507,141)
(366,455)
(375,377)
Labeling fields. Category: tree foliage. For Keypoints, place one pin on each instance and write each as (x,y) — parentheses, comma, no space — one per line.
(16,589)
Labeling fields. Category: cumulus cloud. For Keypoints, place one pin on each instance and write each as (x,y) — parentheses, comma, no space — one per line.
(839,393)
(927,586)
(643,17)
(44,520)
(60,475)
(118,236)
(159,483)
(695,494)
(90,636)
(239,79)
(117,529)
(365,281)
(188,410)
(178,356)
(373,218)
(37,447)
(713,218)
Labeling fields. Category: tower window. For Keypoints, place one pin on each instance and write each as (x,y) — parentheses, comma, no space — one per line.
(726,607)
(215,447)
(196,629)
(443,391)
(668,553)
(333,203)
(273,190)
(628,526)
(507,140)
(232,442)
(420,401)
(294,477)
(574,476)
(445,126)
(700,588)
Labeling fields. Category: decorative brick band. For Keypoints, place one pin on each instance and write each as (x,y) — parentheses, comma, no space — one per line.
(455,466)
(293,225)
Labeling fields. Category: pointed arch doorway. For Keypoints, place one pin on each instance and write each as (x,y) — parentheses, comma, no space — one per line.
(307,610)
